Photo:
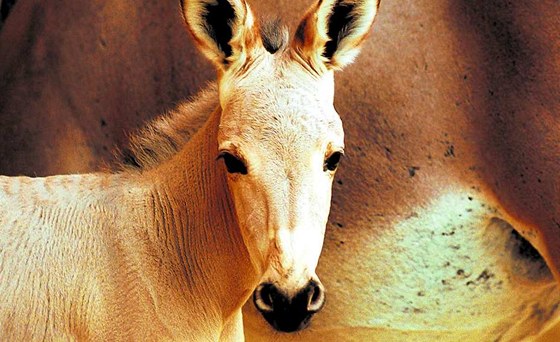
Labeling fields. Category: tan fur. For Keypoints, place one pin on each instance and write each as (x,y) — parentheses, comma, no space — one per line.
(477,76)
(174,250)
(113,257)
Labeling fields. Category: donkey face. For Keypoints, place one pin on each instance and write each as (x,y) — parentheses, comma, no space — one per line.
(280,137)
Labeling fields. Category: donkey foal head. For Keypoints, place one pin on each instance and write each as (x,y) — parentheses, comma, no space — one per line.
(280,137)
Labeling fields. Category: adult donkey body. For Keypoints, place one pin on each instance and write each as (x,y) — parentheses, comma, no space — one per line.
(175,250)
(451,142)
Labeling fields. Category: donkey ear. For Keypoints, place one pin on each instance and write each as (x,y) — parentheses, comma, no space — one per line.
(224,30)
(332,31)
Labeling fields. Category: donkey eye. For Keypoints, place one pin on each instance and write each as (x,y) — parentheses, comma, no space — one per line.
(331,163)
(233,164)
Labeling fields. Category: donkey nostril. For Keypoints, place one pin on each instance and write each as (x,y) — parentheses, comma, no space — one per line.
(266,295)
(263,298)
(289,312)
(316,298)
(315,295)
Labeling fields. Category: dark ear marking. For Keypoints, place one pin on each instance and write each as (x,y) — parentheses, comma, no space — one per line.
(341,22)
(218,19)
(300,31)
(331,33)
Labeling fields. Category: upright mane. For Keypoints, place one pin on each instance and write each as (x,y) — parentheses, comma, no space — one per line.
(275,36)
(159,140)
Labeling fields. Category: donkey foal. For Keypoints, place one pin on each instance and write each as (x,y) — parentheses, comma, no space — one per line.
(172,246)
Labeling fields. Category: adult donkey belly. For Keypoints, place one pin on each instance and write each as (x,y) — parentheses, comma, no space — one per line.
(452,139)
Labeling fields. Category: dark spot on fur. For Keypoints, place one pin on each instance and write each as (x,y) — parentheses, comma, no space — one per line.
(485,275)
(388,153)
(412,170)
(341,23)
(450,152)
(218,20)
(103,123)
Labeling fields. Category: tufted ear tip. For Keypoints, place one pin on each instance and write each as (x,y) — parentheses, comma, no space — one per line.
(331,33)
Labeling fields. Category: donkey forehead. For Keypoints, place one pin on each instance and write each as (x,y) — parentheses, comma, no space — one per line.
(280,117)
(279,101)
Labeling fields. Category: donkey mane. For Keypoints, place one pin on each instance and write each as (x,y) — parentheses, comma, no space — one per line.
(274,34)
(162,138)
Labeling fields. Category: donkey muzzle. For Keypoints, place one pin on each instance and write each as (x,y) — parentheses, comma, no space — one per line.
(289,313)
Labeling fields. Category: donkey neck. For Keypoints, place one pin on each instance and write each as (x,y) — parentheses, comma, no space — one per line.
(197,226)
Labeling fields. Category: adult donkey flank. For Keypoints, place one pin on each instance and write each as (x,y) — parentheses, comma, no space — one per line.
(174,246)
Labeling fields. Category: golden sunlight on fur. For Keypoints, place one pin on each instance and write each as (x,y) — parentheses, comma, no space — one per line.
(174,244)
(444,215)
